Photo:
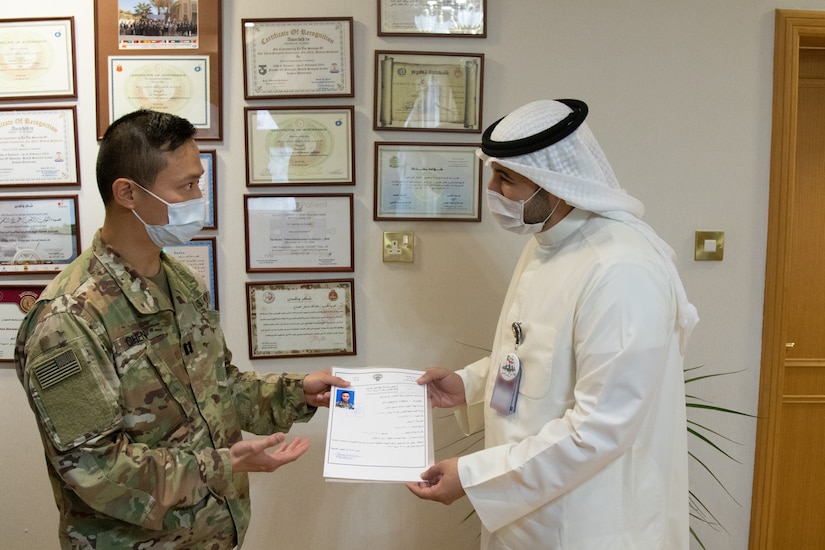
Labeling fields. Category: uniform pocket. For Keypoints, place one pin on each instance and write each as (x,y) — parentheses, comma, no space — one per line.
(150,410)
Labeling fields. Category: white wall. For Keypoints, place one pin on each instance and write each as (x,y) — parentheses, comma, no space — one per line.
(680,98)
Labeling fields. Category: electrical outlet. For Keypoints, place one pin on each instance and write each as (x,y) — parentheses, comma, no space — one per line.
(399,246)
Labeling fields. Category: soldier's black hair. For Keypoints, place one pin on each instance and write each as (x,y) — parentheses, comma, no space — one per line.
(135,147)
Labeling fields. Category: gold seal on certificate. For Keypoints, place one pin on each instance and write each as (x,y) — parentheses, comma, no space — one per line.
(298,144)
(24,55)
(158,86)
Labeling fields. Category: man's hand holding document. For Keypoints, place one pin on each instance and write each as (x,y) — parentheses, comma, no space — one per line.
(380,427)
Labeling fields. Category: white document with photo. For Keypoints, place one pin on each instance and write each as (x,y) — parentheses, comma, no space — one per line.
(380,427)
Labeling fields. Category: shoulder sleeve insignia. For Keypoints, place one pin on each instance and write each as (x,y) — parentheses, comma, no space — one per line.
(57,369)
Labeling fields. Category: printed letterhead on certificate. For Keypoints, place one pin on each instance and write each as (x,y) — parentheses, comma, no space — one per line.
(380,427)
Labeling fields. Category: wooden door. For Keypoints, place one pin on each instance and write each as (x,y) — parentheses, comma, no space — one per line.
(788,510)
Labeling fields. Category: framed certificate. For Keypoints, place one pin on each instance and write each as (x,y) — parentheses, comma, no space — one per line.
(38,147)
(428,91)
(199,254)
(15,303)
(300,318)
(38,234)
(207,184)
(463,18)
(427,181)
(165,62)
(297,58)
(299,233)
(37,58)
(299,146)
(172,84)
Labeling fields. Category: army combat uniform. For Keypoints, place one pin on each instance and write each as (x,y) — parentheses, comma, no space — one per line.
(137,405)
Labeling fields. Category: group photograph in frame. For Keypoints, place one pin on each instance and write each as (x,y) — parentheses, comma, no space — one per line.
(37,58)
(299,145)
(207,184)
(294,58)
(38,147)
(303,232)
(199,254)
(461,18)
(300,318)
(15,302)
(428,91)
(162,58)
(427,181)
(38,234)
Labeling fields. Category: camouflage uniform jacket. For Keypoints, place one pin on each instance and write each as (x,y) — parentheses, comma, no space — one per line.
(137,405)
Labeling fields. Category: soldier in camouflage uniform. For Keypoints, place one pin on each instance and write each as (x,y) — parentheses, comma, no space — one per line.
(126,368)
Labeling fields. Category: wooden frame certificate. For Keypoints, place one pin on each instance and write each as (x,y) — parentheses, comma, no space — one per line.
(427,181)
(199,254)
(300,318)
(428,91)
(299,233)
(37,58)
(462,18)
(299,146)
(38,234)
(297,58)
(38,147)
(15,303)
(167,61)
(380,427)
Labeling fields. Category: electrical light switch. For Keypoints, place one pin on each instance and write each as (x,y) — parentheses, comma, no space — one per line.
(709,246)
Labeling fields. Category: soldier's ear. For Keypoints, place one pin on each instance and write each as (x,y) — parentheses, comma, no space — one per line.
(123,191)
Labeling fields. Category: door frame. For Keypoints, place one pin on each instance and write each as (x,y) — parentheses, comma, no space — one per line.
(793,29)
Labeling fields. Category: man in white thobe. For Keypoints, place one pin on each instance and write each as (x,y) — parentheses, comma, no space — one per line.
(582,397)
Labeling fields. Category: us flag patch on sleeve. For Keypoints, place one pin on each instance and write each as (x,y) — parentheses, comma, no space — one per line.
(57,369)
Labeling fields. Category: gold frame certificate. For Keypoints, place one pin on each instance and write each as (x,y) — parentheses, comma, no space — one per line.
(37,58)
(297,58)
(300,318)
(381,430)
(298,146)
(428,91)
(171,84)
(38,147)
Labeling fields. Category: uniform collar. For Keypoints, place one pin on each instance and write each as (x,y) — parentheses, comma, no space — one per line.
(138,290)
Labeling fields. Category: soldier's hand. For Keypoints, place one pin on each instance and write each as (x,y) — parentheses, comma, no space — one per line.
(258,455)
(317,387)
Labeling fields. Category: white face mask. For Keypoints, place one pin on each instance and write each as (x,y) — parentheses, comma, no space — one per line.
(186,219)
(510,214)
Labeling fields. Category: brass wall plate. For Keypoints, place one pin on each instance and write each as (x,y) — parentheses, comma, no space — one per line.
(710,246)
(399,246)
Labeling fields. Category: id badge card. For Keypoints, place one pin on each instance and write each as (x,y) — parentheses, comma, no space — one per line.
(505,391)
